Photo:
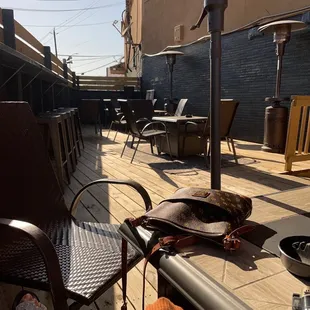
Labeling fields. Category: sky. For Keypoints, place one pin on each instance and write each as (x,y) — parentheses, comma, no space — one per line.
(77,40)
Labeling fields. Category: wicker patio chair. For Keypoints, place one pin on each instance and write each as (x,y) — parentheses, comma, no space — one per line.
(149,132)
(116,118)
(228,112)
(43,246)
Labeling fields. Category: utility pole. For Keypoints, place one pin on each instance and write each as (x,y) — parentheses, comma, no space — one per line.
(55,43)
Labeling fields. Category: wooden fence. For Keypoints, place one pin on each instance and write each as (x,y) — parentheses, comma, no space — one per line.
(14,35)
(106,83)
(25,43)
(298,134)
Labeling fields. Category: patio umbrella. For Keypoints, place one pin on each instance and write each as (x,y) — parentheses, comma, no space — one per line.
(216,9)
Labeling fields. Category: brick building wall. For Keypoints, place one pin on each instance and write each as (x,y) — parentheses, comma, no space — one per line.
(248,75)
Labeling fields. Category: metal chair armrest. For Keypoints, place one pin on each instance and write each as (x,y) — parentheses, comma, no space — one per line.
(49,255)
(139,188)
(152,123)
(190,123)
(140,120)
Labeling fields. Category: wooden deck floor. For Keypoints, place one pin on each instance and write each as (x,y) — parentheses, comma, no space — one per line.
(257,174)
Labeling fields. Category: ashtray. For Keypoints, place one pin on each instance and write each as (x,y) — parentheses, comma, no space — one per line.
(291,259)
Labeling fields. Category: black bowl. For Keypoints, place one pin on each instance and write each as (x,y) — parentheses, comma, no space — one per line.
(290,258)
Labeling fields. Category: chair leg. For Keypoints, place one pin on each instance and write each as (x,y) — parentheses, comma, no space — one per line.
(134,153)
(209,148)
(183,145)
(169,146)
(234,149)
(55,139)
(115,134)
(110,128)
(151,144)
(79,129)
(132,142)
(100,126)
(227,140)
(125,145)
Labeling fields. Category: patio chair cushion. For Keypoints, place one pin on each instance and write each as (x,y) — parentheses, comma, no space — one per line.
(89,256)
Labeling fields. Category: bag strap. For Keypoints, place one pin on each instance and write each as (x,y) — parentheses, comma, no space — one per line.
(231,242)
(167,244)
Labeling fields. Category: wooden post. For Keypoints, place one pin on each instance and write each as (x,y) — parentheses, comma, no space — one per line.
(42,96)
(74,79)
(47,57)
(8,28)
(19,87)
(65,68)
(78,82)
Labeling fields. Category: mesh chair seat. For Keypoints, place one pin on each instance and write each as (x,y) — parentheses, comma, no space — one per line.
(89,256)
(153,132)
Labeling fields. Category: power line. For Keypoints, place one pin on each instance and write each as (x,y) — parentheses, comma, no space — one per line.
(82,25)
(100,66)
(90,56)
(75,16)
(64,10)
(88,63)
(76,24)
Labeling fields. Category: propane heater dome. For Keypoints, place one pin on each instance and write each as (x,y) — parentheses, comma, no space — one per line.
(294,25)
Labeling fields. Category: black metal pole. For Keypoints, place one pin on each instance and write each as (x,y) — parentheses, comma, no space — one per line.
(171,81)
(280,53)
(216,10)
(215,105)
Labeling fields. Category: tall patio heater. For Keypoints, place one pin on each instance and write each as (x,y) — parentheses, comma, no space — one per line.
(171,56)
(276,115)
(216,9)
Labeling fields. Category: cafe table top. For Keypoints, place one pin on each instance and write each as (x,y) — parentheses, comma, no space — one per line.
(179,119)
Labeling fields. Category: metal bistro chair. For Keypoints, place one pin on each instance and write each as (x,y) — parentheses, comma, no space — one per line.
(180,108)
(148,132)
(116,118)
(144,111)
(150,94)
(228,112)
(43,246)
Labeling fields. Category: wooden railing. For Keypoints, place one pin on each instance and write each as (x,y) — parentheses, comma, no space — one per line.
(106,83)
(298,134)
(29,46)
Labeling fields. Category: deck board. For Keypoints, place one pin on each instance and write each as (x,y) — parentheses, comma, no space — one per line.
(114,203)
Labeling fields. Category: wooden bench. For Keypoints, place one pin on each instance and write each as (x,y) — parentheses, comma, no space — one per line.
(298,133)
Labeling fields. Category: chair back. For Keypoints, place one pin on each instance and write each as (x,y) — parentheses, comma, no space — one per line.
(142,108)
(181,105)
(150,94)
(228,112)
(112,112)
(29,189)
(130,117)
(298,132)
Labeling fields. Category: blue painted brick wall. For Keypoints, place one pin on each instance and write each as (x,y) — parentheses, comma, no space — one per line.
(248,75)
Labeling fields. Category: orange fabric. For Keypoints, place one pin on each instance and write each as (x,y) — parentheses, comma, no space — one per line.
(163,304)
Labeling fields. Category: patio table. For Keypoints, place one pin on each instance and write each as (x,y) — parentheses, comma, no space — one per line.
(176,128)
(251,278)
